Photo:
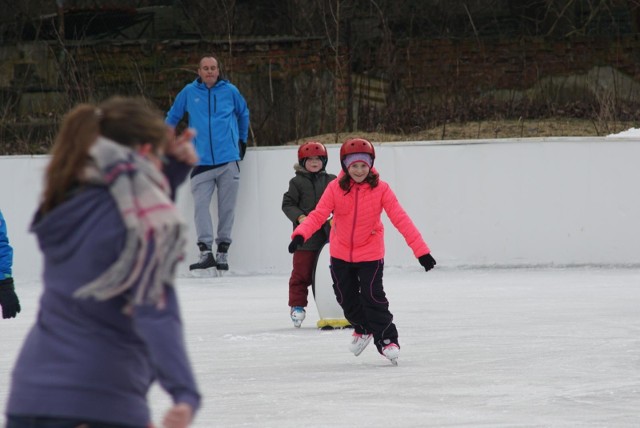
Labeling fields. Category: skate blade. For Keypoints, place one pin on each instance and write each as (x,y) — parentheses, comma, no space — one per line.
(203,273)
(394,361)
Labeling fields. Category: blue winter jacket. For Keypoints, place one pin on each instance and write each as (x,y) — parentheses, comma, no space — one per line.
(6,252)
(219,115)
(86,359)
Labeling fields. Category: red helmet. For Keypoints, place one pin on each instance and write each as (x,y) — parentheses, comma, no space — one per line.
(311,148)
(356,145)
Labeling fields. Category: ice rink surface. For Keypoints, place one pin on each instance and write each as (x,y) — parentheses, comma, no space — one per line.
(480,348)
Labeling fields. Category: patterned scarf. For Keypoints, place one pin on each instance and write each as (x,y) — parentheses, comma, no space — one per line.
(155,232)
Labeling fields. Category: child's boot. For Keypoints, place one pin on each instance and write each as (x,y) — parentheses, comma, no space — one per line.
(392,352)
(297,315)
(359,341)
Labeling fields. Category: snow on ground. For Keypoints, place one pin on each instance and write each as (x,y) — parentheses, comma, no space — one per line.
(480,348)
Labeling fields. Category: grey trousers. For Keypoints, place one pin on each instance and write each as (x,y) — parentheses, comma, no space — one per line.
(227,180)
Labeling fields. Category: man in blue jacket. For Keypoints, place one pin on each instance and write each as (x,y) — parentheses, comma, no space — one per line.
(8,298)
(220,116)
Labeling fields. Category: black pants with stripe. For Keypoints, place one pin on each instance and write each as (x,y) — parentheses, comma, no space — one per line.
(359,291)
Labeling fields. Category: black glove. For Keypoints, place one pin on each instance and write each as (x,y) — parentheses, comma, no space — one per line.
(243,149)
(297,241)
(427,261)
(8,299)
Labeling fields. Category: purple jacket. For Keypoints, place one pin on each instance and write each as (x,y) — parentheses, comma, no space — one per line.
(84,358)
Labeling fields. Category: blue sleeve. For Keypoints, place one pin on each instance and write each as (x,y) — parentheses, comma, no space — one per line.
(161,330)
(6,252)
(242,114)
(178,109)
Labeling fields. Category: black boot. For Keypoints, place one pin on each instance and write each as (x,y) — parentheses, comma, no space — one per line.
(206,258)
(221,256)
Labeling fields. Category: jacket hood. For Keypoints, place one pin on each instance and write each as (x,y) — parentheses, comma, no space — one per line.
(59,231)
(300,169)
(198,83)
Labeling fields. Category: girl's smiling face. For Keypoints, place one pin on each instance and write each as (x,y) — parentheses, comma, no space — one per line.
(358,171)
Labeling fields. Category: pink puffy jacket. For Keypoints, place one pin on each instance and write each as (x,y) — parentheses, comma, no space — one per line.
(357,234)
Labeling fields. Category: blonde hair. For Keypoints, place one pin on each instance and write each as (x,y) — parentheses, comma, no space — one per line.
(127,121)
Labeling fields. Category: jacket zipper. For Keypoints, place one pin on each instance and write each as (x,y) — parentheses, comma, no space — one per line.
(353,226)
(210,130)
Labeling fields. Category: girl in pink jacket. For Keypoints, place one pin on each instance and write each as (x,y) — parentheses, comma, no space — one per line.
(356,200)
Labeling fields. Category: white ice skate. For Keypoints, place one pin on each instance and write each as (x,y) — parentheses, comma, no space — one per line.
(392,352)
(359,342)
(297,315)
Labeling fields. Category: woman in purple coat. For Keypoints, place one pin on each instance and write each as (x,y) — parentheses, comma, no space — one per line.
(109,323)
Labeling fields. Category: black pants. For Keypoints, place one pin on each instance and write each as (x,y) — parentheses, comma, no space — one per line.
(358,289)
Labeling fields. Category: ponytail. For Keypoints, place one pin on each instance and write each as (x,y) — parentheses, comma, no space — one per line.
(129,122)
(80,128)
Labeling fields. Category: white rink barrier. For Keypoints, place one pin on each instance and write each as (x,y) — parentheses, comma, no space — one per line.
(521,202)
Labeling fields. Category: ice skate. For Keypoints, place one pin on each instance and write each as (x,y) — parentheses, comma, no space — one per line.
(205,263)
(297,315)
(359,342)
(221,258)
(391,352)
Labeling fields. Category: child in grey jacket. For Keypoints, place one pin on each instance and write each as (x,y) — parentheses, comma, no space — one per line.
(305,190)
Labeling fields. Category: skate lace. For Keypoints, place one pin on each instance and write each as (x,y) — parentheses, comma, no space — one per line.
(297,311)
(391,351)
(221,258)
(204,255)
(358,337)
